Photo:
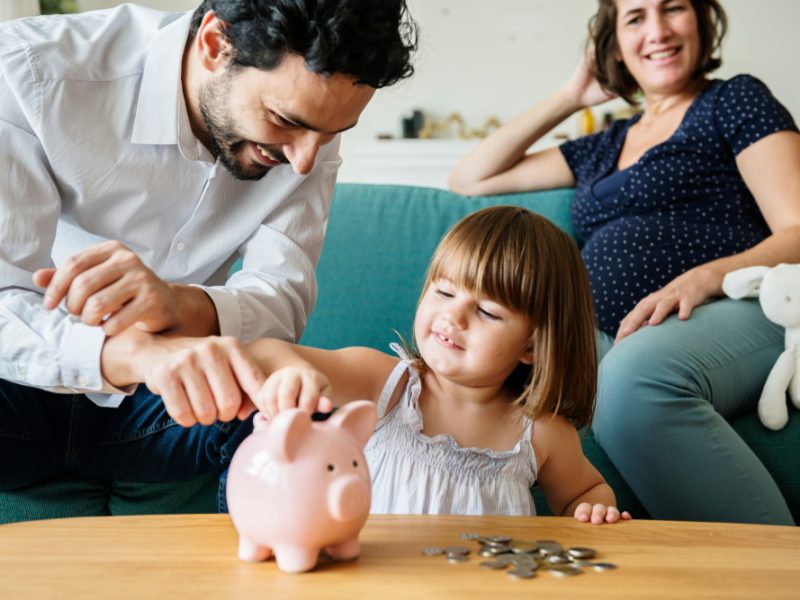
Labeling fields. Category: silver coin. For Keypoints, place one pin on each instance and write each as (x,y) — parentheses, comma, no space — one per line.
(487,543)
(493,564)
(462,550)
(457,558)
(525,564)
(521,547)
(549,547)
(468,537)
(565,570)
(521,573)
(557,559)
(582,552)
(603,566)
(486,553)
(583,563)
(432,551)
(500,539)
(499,549)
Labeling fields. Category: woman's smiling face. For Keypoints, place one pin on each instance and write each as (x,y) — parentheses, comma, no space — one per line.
(659,42)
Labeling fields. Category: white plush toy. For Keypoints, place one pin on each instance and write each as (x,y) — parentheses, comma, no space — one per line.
(778,290)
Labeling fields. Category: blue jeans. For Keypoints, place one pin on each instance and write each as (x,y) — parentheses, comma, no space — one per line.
(663,398)
(44,434)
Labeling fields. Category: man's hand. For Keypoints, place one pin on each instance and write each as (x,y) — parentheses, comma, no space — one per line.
(295,387)
(108,285)
(199,380)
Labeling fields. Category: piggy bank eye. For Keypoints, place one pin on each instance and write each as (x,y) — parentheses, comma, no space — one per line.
(330,468)
(355,463)
(788,298)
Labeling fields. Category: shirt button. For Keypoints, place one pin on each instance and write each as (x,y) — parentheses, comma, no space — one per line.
(22,371)
(83,381)
(180,246)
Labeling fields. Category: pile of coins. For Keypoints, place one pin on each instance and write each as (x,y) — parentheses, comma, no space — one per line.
(521,559)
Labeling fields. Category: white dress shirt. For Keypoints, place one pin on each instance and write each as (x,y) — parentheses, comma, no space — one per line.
(95,145)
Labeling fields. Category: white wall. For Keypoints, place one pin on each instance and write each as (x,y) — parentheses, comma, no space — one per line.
(496,58)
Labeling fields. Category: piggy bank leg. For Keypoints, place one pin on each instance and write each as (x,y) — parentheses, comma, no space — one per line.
(252,552)
(296,560)
(345,551)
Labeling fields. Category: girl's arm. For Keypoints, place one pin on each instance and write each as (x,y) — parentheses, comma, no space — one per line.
(569,481)
(499,165)
(771,169)
(311,378)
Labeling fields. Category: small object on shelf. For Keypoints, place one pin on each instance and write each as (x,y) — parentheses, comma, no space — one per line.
(433,128)
(586,123)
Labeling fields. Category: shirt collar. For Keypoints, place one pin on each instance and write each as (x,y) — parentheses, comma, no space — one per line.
(160,100)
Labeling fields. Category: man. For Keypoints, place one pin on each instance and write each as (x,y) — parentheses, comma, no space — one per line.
(142,152)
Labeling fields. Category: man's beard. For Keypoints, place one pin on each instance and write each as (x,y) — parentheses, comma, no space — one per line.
(222,138)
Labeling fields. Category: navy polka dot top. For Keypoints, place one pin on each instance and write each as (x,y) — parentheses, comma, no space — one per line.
(682,204)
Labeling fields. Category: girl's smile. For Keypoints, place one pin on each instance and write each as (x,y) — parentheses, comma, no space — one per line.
(469,338)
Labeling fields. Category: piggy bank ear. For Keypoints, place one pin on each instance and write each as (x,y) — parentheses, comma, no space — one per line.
(744,282)
(357,418)
(287,431)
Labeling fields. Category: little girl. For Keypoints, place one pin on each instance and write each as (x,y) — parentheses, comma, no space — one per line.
(488,404)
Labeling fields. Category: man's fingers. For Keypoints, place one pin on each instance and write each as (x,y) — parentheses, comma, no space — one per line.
(42,277)
(62,278)
(246,408)
(203,405)
(175,401)
(247,372)
(103,280)
(222,383)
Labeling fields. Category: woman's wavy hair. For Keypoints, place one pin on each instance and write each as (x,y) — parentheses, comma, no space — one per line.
(613,75)
(369,40)
(524,262)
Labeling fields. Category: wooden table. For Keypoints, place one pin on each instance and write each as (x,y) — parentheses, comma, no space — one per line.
(194,556)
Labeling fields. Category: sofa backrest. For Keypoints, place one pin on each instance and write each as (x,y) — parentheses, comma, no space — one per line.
(378,244)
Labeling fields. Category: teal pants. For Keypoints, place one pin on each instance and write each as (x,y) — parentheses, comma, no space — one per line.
(664,396)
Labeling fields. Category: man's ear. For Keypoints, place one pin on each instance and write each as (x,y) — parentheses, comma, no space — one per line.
(213,48)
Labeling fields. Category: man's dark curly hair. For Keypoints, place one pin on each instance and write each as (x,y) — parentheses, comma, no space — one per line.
(369,40)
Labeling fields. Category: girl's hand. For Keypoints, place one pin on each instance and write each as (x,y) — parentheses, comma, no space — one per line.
(599,513)
(295,387)
(683,293)
(582,89)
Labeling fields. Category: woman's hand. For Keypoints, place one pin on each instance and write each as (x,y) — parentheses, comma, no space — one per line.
(683,293)
(295,387)
(598,514)
(582,89)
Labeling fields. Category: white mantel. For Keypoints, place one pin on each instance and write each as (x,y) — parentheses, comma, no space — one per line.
(424,163)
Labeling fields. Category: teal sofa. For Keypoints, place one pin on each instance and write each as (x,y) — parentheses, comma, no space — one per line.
(379,241)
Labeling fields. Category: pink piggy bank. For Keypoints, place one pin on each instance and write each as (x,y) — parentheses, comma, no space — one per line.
(296,487)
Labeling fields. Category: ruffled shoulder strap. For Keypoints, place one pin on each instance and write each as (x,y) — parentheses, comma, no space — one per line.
(394,377)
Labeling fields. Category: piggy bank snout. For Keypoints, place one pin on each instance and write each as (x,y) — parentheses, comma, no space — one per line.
(349,498)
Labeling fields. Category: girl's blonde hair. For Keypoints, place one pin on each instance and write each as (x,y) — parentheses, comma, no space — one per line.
(521,260)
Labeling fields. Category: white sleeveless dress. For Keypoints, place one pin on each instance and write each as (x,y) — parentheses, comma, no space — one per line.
(413,473)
